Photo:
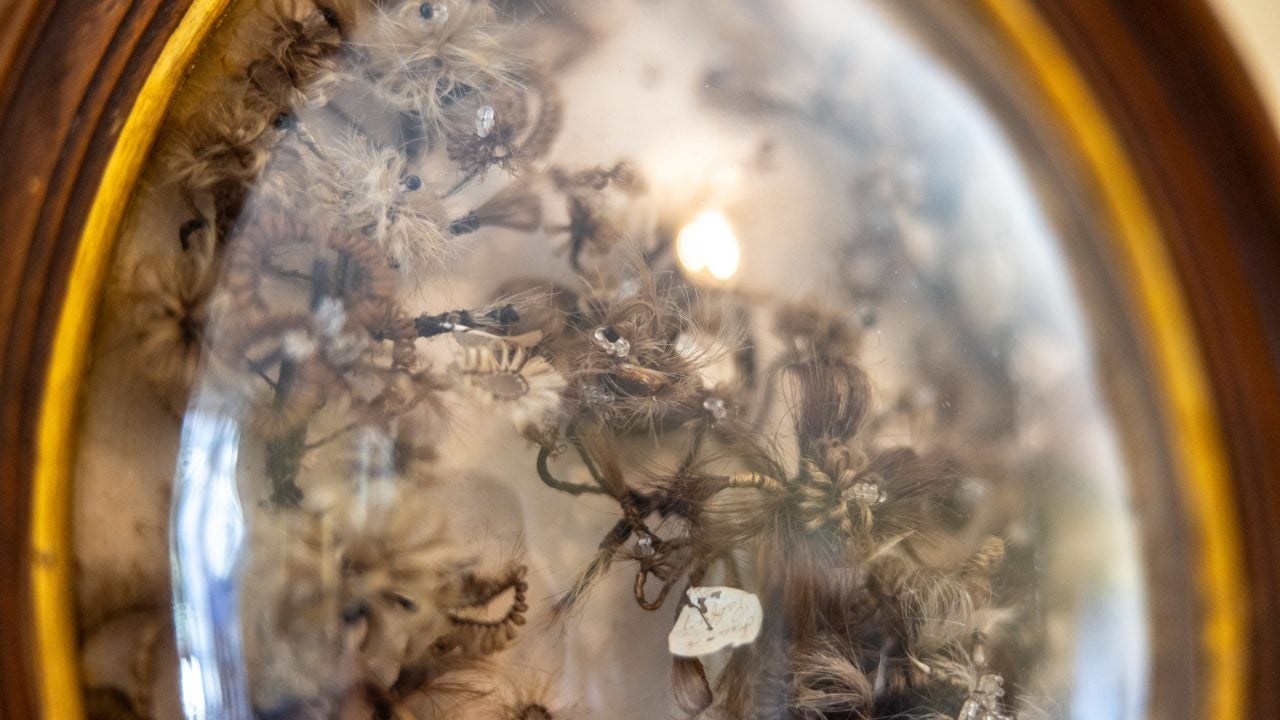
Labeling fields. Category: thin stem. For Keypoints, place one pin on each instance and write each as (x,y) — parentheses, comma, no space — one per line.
(351,123)
(695,447)
(284,455)
(326,439)
(305,137)
(591,467)
(550,480)
(462,183)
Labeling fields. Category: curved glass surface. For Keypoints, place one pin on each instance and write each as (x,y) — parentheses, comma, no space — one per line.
(607,359)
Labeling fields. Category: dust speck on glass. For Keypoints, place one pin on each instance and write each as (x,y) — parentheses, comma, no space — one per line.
(516,343)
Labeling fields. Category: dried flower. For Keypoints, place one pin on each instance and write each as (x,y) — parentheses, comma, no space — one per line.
(512,125)
(402,576)
(626,346)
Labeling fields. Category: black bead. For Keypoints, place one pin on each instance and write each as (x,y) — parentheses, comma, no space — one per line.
(405,602)
(412,182)
(426,11)
(353,613)
(467,224)
(506,314)
(611,335)
(188,228)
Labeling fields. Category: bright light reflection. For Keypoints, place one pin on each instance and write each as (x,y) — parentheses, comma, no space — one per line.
(709,243)
(208,548)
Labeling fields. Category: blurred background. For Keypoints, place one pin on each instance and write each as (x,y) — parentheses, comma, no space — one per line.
(1254,26)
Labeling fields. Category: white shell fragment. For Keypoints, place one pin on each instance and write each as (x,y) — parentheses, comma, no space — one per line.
(715,618)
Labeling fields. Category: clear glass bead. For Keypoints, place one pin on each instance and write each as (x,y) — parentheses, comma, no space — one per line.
(868,493)
(716,407)
(991,685)
(612,342)
(971,710)
(485,118)
(644,546)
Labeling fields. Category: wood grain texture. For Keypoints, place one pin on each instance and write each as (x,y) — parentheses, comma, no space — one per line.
(71,72)
(1208,157)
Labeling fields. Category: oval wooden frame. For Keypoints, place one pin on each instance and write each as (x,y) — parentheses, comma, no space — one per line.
(1191,421)
(1185,158)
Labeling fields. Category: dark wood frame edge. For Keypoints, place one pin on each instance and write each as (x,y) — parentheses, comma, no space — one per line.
(69,75)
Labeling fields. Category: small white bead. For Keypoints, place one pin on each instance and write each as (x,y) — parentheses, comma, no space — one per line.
(644,546)
(716,407)
(485,118)
(867,493)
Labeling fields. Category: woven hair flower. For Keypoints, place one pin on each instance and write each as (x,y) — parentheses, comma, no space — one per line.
(371,191)
(505,375)
(230,144)
(301,44)
(169,307)
(402,574)
(421,58)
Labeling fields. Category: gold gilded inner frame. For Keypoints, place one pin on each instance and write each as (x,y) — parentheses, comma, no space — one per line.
(1193,427)
(1180,377)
